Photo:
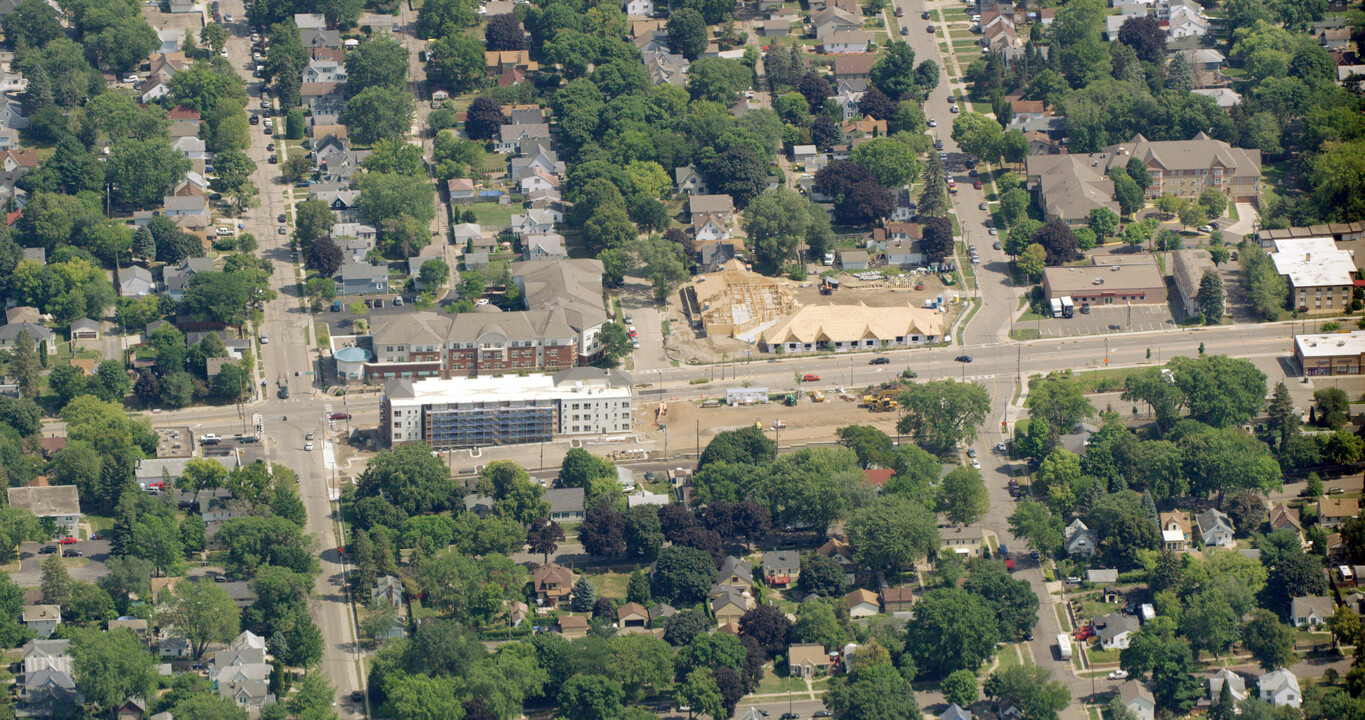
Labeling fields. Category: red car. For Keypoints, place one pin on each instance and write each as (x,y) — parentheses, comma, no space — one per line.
(68,540)
(977,184)
(810,378)
(339,416)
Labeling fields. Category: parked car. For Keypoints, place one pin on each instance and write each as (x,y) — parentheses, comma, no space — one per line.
(282,218)
(879,361)
(905,30)
(265,339)
(72,553)
(924,15)
(1118,675)
(47,549)
(308,446)
(68,540)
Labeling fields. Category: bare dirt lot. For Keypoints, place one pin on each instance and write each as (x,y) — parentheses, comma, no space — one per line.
(808,421)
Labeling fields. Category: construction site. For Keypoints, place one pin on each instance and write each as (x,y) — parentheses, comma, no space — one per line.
(736,312)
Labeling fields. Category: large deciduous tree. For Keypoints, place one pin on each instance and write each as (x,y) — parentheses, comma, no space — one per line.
(892,532)
(779,224)
(379,113)
(952,630)
(411,478)
(941,413)
(380,61)
(204,612)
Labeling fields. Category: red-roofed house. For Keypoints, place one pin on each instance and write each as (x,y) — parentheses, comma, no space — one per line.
(879,476)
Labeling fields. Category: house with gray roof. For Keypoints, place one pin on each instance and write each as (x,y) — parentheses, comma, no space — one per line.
(1311,612)
(1214,528)
(1236,686)
(781,568)
(511,137)
(1138,699)
(1115,631)
(362,278)
(1280,687)
(735,572)
(176,278)
(566,504)
(535,222)
(62,503)
(544,246)
(1080,541)
(387,590)
(40,334)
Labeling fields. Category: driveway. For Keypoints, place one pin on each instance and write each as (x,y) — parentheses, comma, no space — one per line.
(1247,218)
(30,562)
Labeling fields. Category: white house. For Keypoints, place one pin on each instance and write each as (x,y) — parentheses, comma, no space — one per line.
(1080,541)
(862,603)
(643,8)
(62,503)
(1116,631)
(709,227)
(535,222)
(538,179)
(42,619)
(1280,687)
(1236,686)
(1311,612)
(848,41)
(1215,528)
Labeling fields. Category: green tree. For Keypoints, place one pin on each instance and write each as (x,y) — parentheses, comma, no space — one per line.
(411,478)
(378,113)
(110,667)
(142,172)
(1029,688)
(779,223)
(56,582)
(380,61)
(25,365)
(1059,399)
(1219,390)
(717,79)
(891,161)
(877,691)
(1211,297)
(1269,641)
(456,61)
(1032,262)
(978,135)
(204,612)
(892,532)
(1038,526)
(941,413)
(683,574)
(952,630)
(894,72)
(1013,601)
(699,691)
(687,33)
(963,498)
(960,688)
(590,697)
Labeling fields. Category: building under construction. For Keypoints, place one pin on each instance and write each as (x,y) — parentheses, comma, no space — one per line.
(737,302)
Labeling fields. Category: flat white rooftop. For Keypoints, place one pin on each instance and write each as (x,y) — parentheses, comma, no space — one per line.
(508,388)
(1330,344)
(1313,262)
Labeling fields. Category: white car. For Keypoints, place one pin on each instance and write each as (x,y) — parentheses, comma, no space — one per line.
(1001,447)
(481,302)
(308,446)
(1118,675)
(265,339)
(976,463)
(953,109)
(223,52)
(933,122)
(132,79)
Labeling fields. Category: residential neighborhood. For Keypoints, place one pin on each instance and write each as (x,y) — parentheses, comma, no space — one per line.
(448,358)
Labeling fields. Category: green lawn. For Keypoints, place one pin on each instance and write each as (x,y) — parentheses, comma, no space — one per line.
(493,214)
(609,584)
(772,683)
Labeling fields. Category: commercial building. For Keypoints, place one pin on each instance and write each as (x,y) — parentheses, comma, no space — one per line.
(62,503)
(558,330)
(1319,273)
(472,412)
(1139,283)
(1330,353)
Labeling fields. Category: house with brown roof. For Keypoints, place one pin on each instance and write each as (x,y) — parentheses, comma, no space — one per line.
(854,67)
(553,584)
(898,599)
(729,604)
(573,626)
(807,660)
(1175,530)
(632,615)
(840,552)
(862,603)
(1333,511)
(497,62)
(735,573)
(1283,516)
(868,125)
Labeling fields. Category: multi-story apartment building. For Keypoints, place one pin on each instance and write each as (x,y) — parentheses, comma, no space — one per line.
(558,330)
(509,410)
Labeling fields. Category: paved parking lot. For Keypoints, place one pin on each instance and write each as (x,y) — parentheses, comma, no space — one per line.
(1107,319)
(343,321)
